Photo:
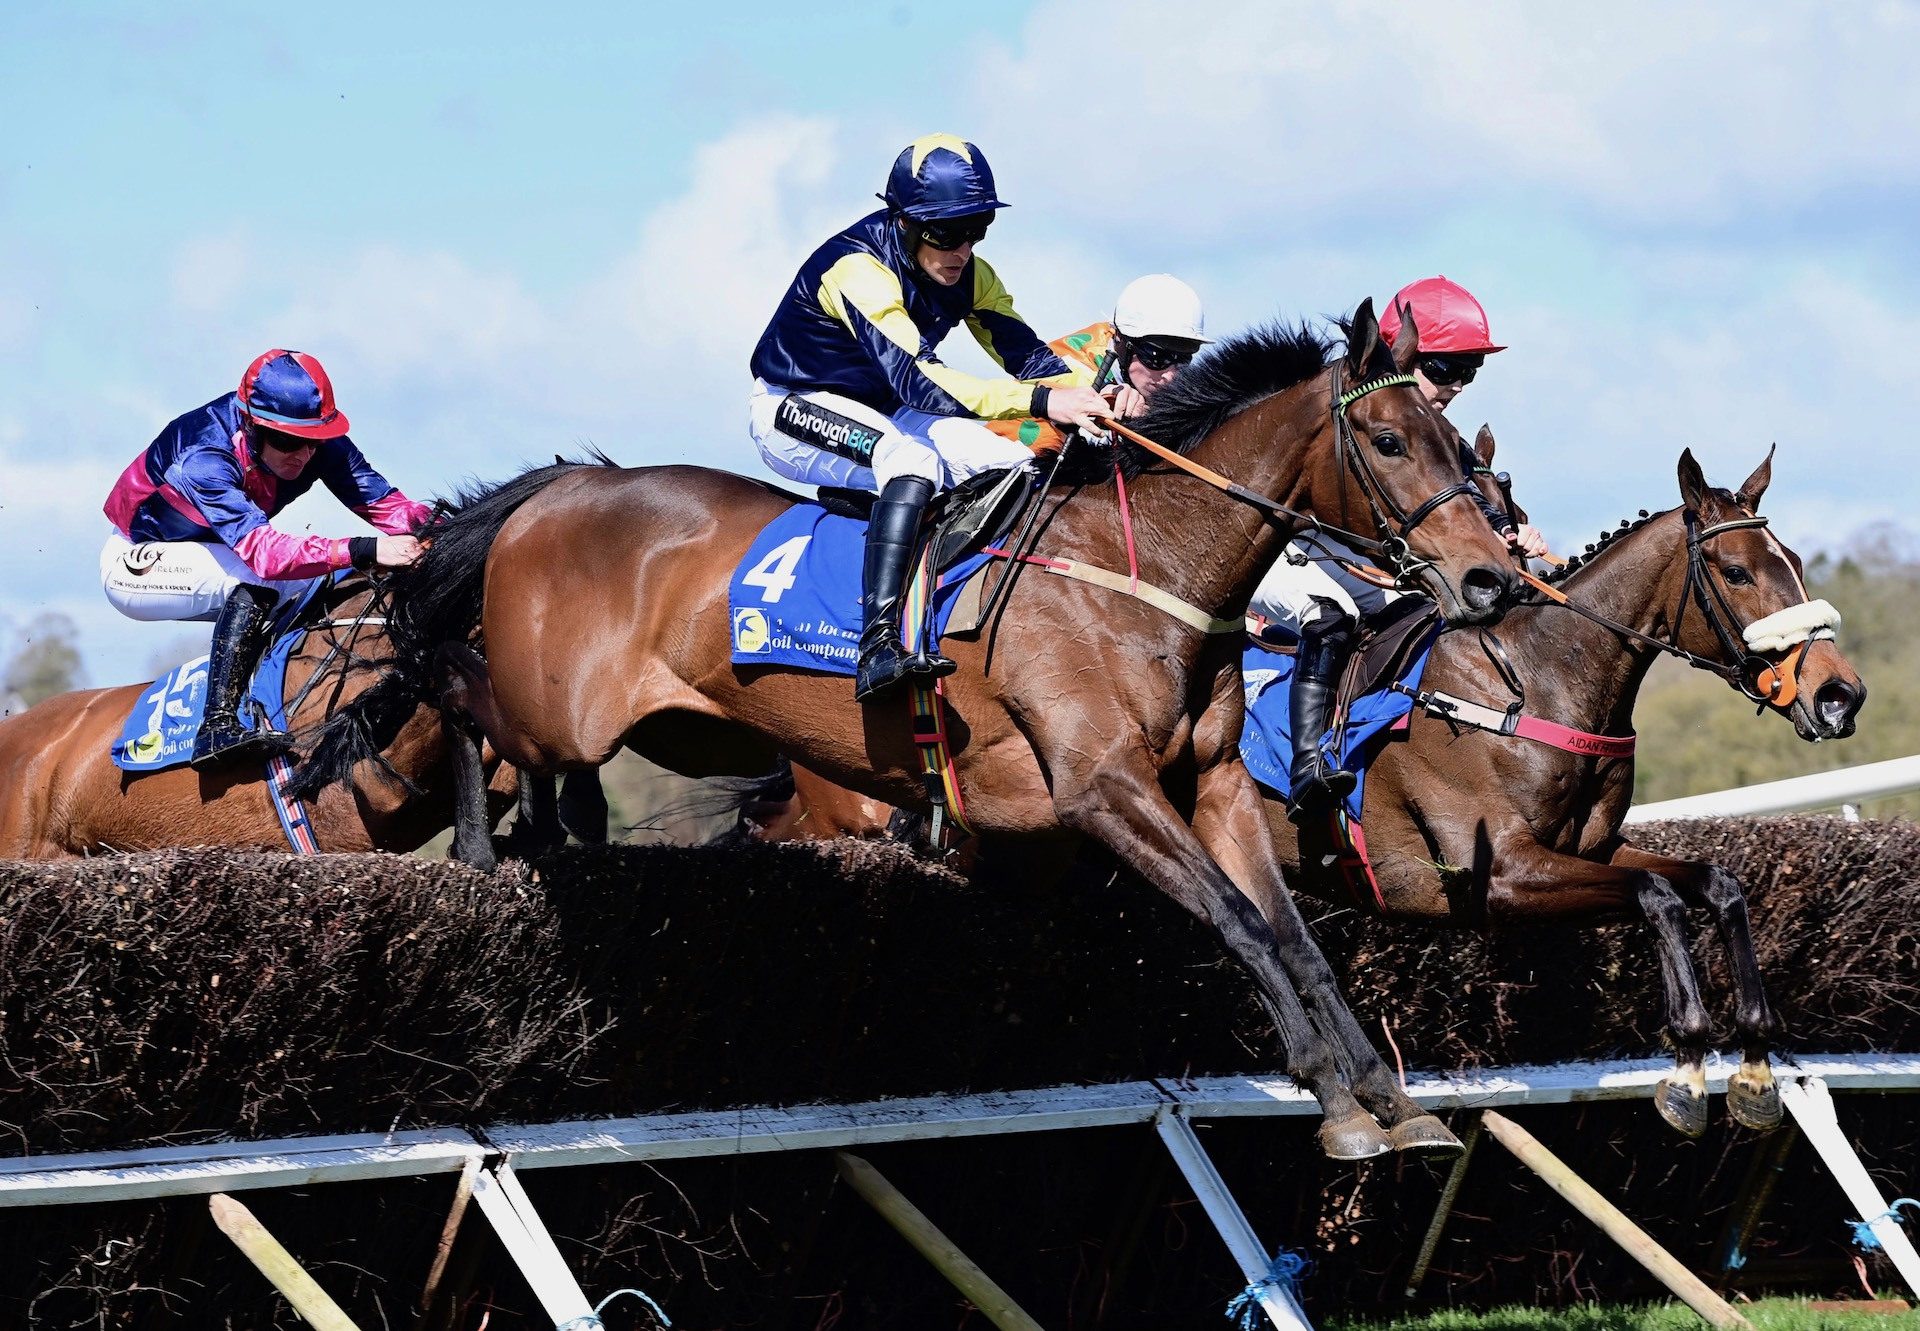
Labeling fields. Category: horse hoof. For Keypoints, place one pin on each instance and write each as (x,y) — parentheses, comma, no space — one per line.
(1685,1112)
(1751,1108)
(1426,1134)
(1356,1137)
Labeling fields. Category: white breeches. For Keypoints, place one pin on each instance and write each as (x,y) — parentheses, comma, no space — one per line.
(848,444)
(159,580)
(1287,596)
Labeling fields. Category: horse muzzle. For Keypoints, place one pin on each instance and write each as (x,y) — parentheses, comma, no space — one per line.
(1485,593)
(1831,711)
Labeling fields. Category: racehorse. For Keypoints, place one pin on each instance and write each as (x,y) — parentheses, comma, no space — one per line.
(601,598)
(61,795)
(1467,827)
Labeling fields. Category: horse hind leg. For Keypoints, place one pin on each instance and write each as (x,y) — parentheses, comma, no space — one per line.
(472,828)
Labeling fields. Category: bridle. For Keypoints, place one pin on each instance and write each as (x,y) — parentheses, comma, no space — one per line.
(1763,682)
(1389,545)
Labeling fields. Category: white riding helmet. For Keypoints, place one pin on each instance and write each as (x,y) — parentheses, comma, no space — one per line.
(1160,305)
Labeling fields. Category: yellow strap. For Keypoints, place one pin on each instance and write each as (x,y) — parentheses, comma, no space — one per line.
(1159,598)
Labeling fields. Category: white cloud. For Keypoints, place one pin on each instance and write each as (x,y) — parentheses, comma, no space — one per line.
(1250,114)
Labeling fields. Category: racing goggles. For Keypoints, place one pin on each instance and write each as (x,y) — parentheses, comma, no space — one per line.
(1446,371)
(952,232)
(1161,355)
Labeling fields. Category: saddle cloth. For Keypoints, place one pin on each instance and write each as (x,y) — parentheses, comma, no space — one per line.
(794,600)
(159,732)
(1369,707)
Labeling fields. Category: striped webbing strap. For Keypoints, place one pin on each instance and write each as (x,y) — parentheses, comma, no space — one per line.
(290,811)
(937,769)
(1157,597)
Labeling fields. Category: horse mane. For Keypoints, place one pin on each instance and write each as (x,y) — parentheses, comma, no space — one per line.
(434,601)
(1223,381)
(1601,545)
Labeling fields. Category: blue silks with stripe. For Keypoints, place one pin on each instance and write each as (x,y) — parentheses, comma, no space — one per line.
(795,598)
(1266,741)
(160,730)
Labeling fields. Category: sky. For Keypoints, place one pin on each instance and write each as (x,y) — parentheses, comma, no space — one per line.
(510,231)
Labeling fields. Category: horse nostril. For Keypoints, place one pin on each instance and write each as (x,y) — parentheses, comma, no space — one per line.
(1484,588)
(1837,701)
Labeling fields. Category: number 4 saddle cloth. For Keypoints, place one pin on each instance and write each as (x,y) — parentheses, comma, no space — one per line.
(794,600)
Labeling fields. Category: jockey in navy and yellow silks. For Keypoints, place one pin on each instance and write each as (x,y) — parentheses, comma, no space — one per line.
(849,390)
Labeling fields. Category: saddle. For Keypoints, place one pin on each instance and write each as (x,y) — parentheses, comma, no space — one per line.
(1388,641)
(975,514)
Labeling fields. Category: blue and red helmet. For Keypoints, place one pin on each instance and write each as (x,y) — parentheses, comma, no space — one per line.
(289,391)
(939,176)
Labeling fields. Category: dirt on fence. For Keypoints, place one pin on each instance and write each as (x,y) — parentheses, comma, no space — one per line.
(190,996)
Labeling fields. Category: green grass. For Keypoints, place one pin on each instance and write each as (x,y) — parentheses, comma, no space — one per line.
(1765,1314)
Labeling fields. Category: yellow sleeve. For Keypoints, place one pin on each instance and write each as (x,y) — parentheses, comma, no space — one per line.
(861,293)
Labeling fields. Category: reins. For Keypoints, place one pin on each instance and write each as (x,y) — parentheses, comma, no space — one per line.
(1761,681)
(1391,545)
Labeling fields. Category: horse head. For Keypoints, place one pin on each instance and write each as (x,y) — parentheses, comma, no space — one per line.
(1493,484)
(1743,604)
(1395,471)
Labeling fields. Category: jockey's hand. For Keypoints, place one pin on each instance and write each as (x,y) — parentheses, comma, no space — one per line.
(1127,401)
(396,551)
(1528,540)
(1077,406)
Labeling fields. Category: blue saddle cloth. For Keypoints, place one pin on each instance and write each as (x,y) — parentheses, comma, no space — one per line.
(160,730)
(795,598)
(1266,741)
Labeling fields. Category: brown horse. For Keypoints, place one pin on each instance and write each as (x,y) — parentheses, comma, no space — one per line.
(1082,711)
(61,795)
(1466,827)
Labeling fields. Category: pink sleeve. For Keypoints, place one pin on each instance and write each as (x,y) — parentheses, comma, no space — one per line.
(395,514)
(276,556)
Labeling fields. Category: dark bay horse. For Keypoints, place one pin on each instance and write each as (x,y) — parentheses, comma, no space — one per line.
(61,795)
(1465,827)
(1081,712)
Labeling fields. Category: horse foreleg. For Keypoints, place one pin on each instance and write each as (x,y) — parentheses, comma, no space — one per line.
(583,806)
(1119,803)
(1530,882)
(536,823)
(1752,1097)
(1231,822)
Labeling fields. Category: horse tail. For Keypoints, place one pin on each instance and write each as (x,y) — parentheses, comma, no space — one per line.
(436,600)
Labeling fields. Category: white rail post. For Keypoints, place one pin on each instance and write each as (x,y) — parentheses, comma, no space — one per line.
(527,1241)
(1221,1208)
(1812,1107)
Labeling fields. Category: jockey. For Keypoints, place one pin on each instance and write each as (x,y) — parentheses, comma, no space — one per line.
(848,390)
(1156,330)
(1319,599)
(191,539)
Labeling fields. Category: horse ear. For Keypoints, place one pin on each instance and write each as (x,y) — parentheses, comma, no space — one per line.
(1693,483)
(1483,446)
(1363,336)
(1406,343)
(1756,485)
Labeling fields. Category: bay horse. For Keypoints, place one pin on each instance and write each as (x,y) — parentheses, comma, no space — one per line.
(1467,827)
(600,596)
(61,795)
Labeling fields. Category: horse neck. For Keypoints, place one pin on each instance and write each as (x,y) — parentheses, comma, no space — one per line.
(1203,545)
(1637,583)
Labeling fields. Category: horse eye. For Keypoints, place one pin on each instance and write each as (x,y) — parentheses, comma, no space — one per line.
(1737,576)
(1389,444)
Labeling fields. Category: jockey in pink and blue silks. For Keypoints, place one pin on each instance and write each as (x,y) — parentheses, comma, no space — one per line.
(191,537)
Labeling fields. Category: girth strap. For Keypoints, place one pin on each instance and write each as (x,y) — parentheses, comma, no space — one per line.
(1512,722)
(1157,597)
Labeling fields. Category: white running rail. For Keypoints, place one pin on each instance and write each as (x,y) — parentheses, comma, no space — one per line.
(1822,790)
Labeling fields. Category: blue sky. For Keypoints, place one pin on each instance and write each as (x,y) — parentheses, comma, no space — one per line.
(509,230)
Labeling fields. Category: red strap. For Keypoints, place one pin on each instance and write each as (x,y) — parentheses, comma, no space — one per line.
(1575,741)
(1126,525)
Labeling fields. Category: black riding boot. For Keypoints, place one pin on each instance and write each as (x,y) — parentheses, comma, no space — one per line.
(1318,786)
(238,637)
(892,532)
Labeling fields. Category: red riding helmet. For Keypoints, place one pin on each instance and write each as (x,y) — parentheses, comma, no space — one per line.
(288,391)
(1450,320)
